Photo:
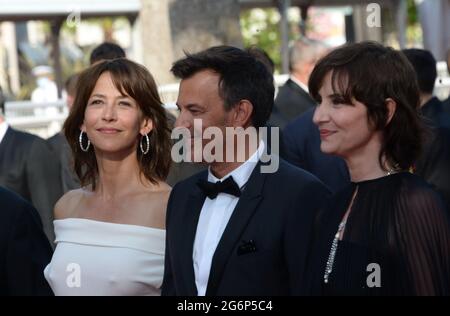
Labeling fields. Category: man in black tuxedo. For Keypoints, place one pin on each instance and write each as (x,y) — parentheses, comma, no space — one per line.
(243,226)
(293,98)
(24,248)
(29,168)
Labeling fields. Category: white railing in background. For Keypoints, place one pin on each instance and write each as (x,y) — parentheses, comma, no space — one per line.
(42,119)
(46,119)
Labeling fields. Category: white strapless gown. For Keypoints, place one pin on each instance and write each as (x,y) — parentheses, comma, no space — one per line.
(101,258)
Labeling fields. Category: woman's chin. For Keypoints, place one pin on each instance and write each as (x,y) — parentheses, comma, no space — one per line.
(112,149)
(327,149)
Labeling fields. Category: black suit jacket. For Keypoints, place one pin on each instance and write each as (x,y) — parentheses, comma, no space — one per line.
(435,113)
(29,168)
(302,149)
(274,213)
(24,248)
(446,105)
(434,164)
(291,101)
(69,180)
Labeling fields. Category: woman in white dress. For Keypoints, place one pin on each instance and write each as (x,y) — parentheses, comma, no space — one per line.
(110,234)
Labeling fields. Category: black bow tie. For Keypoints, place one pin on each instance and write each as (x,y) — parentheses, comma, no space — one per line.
(212,189)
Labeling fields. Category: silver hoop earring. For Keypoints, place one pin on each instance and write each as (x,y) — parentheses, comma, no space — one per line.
(80,140)
(147,140)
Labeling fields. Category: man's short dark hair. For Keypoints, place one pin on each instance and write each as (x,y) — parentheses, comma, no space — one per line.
(425,67)
(242,77)
(106,51)
(261,55)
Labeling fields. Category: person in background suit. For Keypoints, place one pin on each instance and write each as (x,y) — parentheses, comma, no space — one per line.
(25,250)
(60,146)
(236,228)
(434,164)
(262,56)
(424,65)
(302,147)
(28,167)
(106,51)
(293,98)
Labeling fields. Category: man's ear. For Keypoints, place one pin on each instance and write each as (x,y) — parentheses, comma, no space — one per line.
(243,111)
(146,126)
(391,107)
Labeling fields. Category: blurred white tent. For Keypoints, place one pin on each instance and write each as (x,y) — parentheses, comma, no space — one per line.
(58,12)
(435,19)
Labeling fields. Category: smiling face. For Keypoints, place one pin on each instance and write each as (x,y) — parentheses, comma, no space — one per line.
(344,128)
(113,122)
(199,98)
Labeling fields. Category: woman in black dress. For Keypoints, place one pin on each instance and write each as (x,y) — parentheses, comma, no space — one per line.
(388,232)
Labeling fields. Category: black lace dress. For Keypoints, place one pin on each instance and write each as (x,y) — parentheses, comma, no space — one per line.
(396,240)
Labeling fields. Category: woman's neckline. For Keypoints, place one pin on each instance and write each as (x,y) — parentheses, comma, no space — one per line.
(379,178)
(107,223)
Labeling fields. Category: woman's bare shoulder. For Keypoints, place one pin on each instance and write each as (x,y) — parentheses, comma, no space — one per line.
(156,201)
(67,204)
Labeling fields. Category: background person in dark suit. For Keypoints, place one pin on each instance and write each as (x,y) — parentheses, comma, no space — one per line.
(302,147)
(434,164)
(293,98)
(424,65)
(106,50)
(24,248)
(28,167)
(234,229)
(60,146)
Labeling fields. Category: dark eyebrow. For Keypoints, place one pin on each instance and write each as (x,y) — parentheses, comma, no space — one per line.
(98,96)
(344,99)
(104,97)
(189,105)
(124,97)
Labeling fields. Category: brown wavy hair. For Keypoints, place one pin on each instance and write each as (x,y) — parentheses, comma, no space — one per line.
(136,81)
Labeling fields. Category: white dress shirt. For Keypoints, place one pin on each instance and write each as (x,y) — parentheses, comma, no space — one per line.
(214,217)
(3,128)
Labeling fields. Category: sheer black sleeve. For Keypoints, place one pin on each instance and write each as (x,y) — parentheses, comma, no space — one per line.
(422,238)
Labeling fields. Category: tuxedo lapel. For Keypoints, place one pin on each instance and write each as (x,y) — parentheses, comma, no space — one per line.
(190,220)
(301,91)
(5,143)
(247,205)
